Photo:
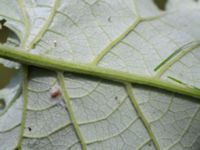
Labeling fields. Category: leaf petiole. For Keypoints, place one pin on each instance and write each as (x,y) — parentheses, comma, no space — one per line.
(60,65)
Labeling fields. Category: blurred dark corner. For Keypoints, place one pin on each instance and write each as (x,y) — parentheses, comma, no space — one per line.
(5,73)
(161,4)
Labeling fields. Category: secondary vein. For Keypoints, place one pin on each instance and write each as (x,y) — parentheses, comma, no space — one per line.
(25,101)
(141,115)
(46,25)
(70,110)
(26,22)
(174,57)
(115,42)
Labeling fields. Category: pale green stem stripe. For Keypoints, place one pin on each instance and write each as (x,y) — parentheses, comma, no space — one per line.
(115,42)
(53,64)
(141,115)
(70,110)
(167,63)
(25,101)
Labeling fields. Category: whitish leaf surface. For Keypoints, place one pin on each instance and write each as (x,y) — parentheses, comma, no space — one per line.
(182,4)
(50,110)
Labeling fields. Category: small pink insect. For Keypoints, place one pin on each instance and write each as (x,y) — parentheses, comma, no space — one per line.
(55,91)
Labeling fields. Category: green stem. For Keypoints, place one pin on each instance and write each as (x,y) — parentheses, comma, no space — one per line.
(53,64)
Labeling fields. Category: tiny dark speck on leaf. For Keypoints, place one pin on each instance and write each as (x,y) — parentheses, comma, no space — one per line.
(109,19)
(116,98)
(29,129)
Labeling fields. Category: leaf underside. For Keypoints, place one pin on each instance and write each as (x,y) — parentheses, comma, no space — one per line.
(131,36)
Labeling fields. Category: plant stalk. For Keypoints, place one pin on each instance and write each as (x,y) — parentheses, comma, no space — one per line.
(59,65)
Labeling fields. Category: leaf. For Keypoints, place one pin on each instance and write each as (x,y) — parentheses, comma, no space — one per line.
(131,37)
(183,4)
